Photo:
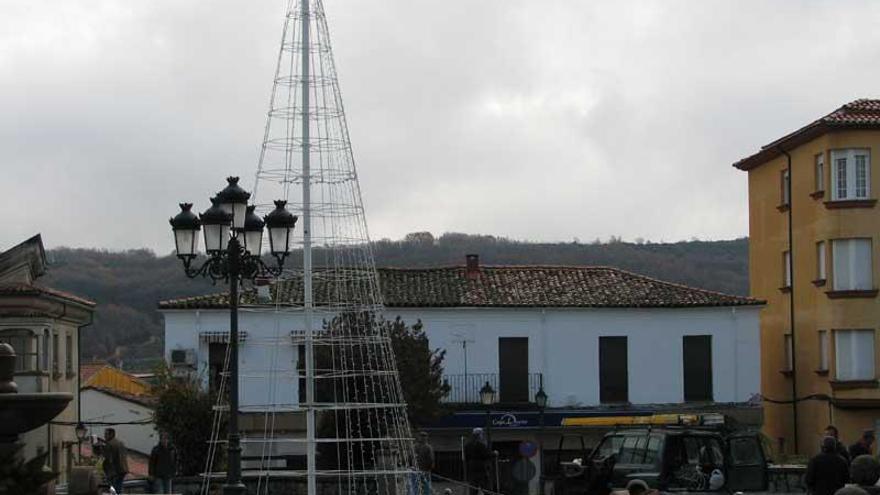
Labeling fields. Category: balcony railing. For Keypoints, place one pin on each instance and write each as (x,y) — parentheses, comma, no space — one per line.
(465,389)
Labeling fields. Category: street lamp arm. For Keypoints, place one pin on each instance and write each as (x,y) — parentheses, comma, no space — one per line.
(216,266)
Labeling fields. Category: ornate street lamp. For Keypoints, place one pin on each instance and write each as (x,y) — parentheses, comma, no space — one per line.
(487,398)
(541,402)
(233,244)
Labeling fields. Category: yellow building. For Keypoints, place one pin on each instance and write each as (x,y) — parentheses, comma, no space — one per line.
(829,216)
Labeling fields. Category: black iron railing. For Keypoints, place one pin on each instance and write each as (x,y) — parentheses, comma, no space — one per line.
(465,389)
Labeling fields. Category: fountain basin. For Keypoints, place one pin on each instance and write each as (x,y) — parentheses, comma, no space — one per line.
(20,413)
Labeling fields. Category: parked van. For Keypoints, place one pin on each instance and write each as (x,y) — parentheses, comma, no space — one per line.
(673,459)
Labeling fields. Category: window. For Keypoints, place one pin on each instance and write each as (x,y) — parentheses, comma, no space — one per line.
(851,175)
(697,356)
(852,264)
(785,186)
(854,354)
(788,350)
(786,268)
(25,345)
(613,370)
(820,260)
(823,350)
(45,360)
(56,355)
(820,172)
(68,354)
(513,369)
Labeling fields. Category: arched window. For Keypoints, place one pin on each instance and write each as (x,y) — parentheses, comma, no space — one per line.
(25,344)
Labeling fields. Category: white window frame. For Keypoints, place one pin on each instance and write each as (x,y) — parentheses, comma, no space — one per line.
(786,268)
(850,344)
(849,272)
(820,172)
(845,183)
(823,350)
(821,261)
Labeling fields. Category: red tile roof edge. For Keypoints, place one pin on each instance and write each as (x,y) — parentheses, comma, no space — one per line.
(849,116)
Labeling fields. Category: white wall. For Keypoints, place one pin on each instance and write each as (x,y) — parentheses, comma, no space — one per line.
(563,345)
(102,407)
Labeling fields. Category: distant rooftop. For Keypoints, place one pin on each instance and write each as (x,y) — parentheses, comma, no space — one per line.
(859,114)
(499,286)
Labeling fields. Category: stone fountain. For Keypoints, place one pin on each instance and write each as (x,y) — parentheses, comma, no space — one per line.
(20,413)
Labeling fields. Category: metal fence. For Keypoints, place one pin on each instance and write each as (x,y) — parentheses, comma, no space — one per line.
(465,389)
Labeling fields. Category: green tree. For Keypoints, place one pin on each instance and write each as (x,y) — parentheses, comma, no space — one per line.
(420,369)
(21,477)
(186,413)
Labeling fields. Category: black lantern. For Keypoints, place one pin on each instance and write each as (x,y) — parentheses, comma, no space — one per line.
(487,395)
(186,226)
(233,200)
(280,223)
(253,232)
(541,398)
(216,222)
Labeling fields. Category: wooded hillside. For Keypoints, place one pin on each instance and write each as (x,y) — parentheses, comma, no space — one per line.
(127,285)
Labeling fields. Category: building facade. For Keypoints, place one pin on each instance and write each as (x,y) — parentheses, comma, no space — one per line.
(818,340)
(598,340)
(42,325)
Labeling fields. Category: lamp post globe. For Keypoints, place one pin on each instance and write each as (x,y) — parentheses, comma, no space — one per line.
(186,226)
(216,223)
(541,398)
(487,395)
(280,224)
(253,232)
(234,200)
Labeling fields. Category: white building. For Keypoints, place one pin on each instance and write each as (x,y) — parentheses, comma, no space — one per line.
(600,341)
(131,416)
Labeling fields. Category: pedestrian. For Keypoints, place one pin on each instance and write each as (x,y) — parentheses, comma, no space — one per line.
(421,481)
(115,459)
(163,464)
(477,457)
(865,471)
(863,446)
(827,471)
(831,431)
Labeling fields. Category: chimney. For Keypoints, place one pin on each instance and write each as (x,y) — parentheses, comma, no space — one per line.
(263,294)
(472,266)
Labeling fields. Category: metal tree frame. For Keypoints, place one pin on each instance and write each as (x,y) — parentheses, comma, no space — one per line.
(333,294)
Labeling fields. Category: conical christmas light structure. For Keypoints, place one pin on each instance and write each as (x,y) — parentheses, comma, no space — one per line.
(357,433)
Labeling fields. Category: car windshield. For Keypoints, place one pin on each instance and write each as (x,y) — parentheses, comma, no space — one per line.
(610,445)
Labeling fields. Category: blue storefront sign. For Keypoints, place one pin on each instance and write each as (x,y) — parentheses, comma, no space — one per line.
(521,419)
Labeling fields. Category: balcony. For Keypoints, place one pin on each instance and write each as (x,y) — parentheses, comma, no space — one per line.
(465,389)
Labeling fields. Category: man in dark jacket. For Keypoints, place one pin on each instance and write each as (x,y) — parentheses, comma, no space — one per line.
(863,446)
(477,456)
(831,431)
(163,465)
(827,471)
(115,459)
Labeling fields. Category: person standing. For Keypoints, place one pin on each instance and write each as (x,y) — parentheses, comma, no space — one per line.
(477,457)
(831,431)
(827,471)
(163,464)
(425,463)
(863,446)
(115,460)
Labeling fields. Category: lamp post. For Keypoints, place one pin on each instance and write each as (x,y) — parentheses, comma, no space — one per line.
(487,398)
(81,433)
(233,243)
(541,402)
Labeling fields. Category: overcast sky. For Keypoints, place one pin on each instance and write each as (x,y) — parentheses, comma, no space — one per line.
(548,120)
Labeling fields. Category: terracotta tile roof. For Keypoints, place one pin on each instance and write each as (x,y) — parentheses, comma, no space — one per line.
(499,286)
(144,400)
(23,289)
(859,114)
